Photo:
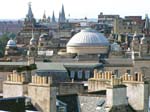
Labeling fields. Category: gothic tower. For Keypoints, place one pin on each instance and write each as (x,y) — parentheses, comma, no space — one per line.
(33,46)
(29,20)
(146,26)
(62,17)
(53,18)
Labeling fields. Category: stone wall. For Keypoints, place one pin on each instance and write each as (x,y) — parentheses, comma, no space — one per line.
(14,89)
(42,94)
(121,70)
(116,95)
(96,85)
(87,50)
(142,66)
(14,85)
(70,88)
(137,94)
(89,103)
(3,77)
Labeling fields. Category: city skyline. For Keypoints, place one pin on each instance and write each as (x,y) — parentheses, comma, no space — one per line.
(17,9)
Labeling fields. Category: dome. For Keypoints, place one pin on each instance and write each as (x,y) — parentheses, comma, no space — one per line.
(88,41)
(11,43)
(32,41)
(44,35)
(115,47)
(88,37)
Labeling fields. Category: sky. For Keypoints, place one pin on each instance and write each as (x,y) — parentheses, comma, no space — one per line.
(17,9)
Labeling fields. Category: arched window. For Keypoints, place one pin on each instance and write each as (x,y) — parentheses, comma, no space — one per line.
(72,74)
(80,74)
(87,74)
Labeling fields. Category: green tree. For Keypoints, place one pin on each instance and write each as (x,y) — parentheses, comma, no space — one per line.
(3,41)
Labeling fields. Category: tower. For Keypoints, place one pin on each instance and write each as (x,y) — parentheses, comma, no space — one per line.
(44,17)
(53,18)
(62,17)
(146,26)
(11,48)
(33,46)
(135,43)
(29,20)
(146,30)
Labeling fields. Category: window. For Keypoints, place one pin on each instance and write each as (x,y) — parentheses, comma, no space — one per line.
(129,72)
(72,74)
(87,74)
(116,72)
(80,74)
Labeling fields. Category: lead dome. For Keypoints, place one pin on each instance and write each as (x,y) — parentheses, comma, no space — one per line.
(88,41)
(11,43)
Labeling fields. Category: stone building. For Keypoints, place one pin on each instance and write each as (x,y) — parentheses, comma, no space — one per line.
(11,48)
(30,24)
(88,42)
(62,18)
(121,91)
(32,52)
(39,86)
(107,19)
(129,24)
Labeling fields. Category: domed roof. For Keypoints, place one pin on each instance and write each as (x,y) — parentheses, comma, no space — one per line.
(88,37)
(43,35)
(32,41)
(11,43)
(115,47)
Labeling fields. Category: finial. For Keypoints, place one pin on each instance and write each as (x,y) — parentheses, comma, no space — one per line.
(29,3)
(44,15)
(32,33)
(143,35)
(135,34)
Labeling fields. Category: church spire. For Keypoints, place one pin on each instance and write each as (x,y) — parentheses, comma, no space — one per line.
(44,15)
(30,14)
(63,13)
(62,17)
(146,26)
(53,18)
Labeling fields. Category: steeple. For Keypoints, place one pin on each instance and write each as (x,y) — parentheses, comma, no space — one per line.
(44,15)
(59,19)
(146,26)
(32,40)
(63,13)
(62,17)
(53,18)
(134,36)
(30,14)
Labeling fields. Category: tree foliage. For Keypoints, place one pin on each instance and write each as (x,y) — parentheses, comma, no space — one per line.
(3,41)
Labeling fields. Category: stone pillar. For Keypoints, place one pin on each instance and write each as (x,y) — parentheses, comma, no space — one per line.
(126,77)
(43,94)
(116,96)
(132,78)
(95,73)
(138,97)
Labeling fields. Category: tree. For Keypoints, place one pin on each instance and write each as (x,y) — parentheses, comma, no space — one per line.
(3,41)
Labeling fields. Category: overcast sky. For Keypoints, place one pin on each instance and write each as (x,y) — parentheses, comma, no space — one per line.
(17,9)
